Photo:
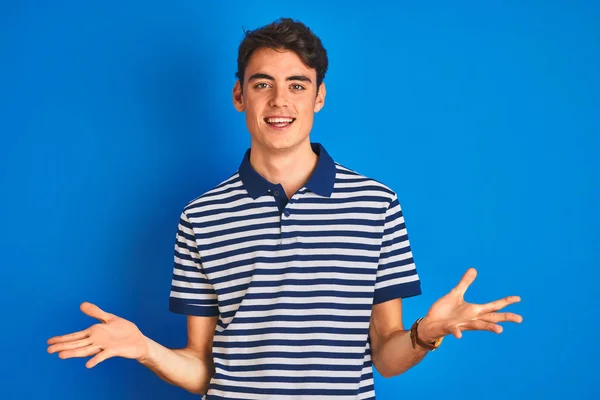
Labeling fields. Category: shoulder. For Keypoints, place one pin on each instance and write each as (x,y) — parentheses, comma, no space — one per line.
(349,179)
(224,191)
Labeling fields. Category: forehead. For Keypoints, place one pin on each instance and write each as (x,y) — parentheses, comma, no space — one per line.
(277,63)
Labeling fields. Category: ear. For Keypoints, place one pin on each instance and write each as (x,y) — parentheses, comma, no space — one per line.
(320,101)
(238,96)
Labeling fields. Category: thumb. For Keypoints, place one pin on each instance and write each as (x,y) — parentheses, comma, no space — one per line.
(98,358)
(95,312)
(466,281)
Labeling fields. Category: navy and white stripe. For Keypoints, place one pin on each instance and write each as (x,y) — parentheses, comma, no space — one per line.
(292,282)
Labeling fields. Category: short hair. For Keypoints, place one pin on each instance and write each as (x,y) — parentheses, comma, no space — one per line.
(287,34)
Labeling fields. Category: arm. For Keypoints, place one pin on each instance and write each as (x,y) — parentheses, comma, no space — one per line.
(191,367)
(191,294)
(392,350)
(397,278)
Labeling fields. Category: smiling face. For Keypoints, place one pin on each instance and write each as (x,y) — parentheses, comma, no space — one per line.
(280,98)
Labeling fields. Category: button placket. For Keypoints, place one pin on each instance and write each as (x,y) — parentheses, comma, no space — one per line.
(287,236)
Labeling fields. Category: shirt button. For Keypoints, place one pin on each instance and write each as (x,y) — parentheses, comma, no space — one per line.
(276,193)
(286,213)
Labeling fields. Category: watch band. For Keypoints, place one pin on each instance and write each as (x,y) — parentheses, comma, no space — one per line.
(415,339)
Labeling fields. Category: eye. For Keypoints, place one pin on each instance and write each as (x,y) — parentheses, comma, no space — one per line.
(261,85)
(297,87)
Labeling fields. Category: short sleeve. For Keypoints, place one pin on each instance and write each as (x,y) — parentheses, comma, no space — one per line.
(191,291)
(396,274)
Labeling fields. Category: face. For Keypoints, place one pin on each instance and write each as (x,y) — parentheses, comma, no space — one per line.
(280,98)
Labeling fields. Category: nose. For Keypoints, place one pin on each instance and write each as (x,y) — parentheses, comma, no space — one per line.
(279,97)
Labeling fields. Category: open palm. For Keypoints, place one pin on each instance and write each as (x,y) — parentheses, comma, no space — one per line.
(451,314)
(113,337)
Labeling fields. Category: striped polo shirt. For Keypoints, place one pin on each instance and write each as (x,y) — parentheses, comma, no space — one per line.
(292,281)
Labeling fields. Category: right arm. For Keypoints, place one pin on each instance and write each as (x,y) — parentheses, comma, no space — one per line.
(191,367)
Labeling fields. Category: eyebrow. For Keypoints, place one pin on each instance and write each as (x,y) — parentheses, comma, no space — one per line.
(302,78)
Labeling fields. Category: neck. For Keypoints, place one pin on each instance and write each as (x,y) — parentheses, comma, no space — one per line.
(291,168)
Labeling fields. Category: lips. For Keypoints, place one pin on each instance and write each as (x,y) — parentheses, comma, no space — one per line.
(279,122)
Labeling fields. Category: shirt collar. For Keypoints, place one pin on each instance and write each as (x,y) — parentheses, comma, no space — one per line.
(320,182)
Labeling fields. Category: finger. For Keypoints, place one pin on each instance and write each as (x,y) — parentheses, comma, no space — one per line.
(479,325)
(81,352)
(98,358)
(95,312)
(455,330)
(70,337)
(499,304)
(69,345)
(502,317)
(466,281)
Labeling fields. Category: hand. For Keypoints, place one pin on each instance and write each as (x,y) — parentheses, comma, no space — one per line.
(452,315)
(114,337)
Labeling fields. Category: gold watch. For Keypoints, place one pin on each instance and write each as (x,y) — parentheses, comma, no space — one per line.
(414,338)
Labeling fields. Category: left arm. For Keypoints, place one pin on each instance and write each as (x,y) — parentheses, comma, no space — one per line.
(392,352)
(391,347)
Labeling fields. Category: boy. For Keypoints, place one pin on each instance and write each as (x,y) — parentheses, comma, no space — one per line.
(292,271)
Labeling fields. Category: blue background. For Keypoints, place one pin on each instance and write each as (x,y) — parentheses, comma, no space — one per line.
(484,119)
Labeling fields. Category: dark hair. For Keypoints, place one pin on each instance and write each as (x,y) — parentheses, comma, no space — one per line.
(287,34)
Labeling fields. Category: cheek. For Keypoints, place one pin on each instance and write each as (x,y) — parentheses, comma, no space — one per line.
(254,109)
(308,111)
(251,114)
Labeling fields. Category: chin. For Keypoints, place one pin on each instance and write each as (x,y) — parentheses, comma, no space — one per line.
(277,141)
(280,145)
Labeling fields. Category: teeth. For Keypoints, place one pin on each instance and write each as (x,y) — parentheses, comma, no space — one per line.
(279,120)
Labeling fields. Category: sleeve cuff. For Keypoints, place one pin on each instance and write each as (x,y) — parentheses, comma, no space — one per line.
(178,307)
(404,290)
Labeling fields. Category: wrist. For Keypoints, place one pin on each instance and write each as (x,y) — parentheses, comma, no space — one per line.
(427,330)
(145,355)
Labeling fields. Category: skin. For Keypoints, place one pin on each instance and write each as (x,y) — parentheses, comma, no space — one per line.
(392,351)
(276,82)
(286,158)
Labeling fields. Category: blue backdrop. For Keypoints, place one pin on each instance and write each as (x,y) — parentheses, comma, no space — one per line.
(484,118)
